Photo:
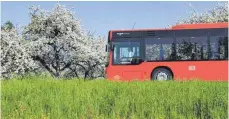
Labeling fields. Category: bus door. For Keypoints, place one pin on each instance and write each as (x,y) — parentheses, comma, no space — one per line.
(127,59)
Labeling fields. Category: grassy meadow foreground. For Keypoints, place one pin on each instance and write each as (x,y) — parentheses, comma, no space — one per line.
(44,97)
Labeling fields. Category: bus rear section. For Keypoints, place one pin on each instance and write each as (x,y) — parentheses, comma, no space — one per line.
(198,51)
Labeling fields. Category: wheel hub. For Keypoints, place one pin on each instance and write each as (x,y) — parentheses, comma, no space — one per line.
(162,76)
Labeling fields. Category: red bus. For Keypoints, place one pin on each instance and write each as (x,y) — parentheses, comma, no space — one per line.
(183,52)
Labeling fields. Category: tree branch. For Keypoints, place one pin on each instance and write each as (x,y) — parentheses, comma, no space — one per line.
(37,58)
(66,66)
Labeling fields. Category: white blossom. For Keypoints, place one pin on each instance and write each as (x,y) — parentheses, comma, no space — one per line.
(218,13)
(93,63)
(14,58)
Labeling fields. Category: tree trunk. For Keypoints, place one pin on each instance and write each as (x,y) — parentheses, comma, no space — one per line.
(57,60)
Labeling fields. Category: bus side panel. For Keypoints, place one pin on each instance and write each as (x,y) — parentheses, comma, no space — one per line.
(184,70)
(201,70)
(128,72)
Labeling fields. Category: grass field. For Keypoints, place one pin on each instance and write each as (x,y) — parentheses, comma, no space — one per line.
(43,97)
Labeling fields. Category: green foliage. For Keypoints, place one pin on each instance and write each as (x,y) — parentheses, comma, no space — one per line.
(7,25)
(43,96)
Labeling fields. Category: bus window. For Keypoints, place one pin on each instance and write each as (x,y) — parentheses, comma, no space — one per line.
(159,49)
(219,47)
(192,48)
(125,51)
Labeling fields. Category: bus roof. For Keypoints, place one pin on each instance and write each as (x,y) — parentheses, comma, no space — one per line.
(184,26)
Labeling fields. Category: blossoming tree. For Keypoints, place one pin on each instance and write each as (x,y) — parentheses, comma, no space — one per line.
(93,65)
(219,13)
(14,58)
(57,41)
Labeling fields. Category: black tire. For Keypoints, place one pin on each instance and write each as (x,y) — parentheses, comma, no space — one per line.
(159,73)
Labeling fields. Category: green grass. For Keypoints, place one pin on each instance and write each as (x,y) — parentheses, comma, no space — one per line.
(43,97)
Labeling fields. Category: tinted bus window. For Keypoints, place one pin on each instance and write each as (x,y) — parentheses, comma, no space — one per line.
(194,45)
(159,49)
(218,44)
(192,48)
(191,33)
(218,47)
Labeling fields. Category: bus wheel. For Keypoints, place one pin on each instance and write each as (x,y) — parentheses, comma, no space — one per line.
(161,74)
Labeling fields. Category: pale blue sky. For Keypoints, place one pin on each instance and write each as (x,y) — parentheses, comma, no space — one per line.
(106,15)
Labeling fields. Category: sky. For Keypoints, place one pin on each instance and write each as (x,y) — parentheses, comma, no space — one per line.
(107,15)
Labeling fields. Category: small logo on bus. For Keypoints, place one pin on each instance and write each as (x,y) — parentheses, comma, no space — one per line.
(120,34)
(191,68)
